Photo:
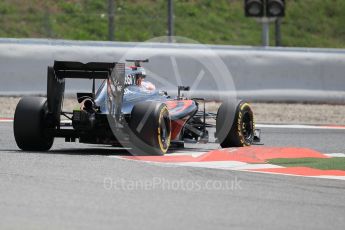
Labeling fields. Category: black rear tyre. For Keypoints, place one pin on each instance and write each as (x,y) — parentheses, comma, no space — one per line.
(235,125)
(29,125)
(150,128)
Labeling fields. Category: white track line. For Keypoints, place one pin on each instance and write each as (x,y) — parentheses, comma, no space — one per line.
(5,120)
(299,126)
(277,126)
(235,165)
(294,175)
(214,164)
(335,154)
(331,177)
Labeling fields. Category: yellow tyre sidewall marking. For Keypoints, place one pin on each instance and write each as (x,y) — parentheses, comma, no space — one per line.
(243,106)
(164,150)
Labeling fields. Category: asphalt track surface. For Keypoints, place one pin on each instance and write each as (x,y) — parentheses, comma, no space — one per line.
(65,189)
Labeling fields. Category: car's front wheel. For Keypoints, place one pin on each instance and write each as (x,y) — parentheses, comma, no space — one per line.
(235,125)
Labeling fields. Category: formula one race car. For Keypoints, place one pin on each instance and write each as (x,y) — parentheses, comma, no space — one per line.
(125,111)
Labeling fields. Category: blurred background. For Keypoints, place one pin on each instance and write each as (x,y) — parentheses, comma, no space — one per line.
(307,23)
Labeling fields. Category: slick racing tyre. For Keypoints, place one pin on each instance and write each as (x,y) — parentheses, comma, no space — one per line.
(150,128)
(235,125)
(29,125)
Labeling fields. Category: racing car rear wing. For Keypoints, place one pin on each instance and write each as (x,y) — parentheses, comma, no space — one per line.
(91,70)
(113,72)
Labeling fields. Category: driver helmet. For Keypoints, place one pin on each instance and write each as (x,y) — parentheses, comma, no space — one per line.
(139,73)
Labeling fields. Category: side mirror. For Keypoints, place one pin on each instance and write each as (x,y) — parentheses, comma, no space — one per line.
(181,88)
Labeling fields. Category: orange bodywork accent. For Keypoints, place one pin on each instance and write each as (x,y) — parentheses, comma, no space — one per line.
(181,105)
(175,107)
(176,127)
(171,104)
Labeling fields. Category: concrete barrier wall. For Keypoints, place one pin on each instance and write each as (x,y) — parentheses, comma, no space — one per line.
(261,74)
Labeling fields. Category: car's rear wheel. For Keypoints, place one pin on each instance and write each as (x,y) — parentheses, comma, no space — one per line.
(29,125)
(235,125)
(150,128)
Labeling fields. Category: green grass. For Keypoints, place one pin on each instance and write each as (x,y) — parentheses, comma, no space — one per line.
(336,163)
(308,23)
